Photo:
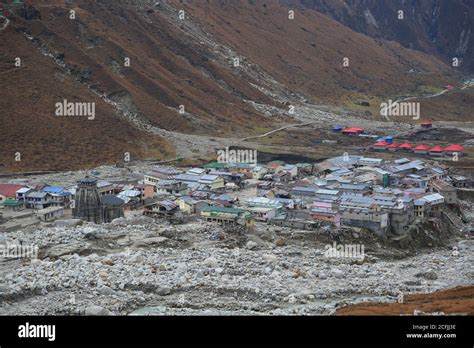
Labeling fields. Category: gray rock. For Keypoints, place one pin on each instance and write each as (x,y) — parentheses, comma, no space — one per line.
(211,262)
(163,291)
(68,223)
(251,245)
(337,273)
(96,311)
(270,257)
(430,275)
(322,275)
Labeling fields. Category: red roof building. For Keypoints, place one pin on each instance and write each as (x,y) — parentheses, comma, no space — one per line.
(9,190)
(436,149)
(426,124)
(454,148)
(393,147)
(421,149)
(405,146)
(353,130)
(380,144)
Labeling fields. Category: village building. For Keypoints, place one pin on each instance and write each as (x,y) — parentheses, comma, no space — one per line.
(153,179)
(59,195)
(352,189)
(38,200)
(50,213)
(12,204)
(421,208)
(394,147)
(414,192)
(411,167)
(368,161)
(167,187)
(429,205)
(282,177)
(437,151)
(461,181)
(263,214)
(132,198)
(197,171)
(305,169)
(229,178)
(261,202)
(243,168)
(165,208)
(213,182)
(291,169)
(437,173)
(407,147)
(189,205)
(275,166)
(370,217)
(385,191)
(9,191)
(379,146)
(400,209)
(227,216)
(21,194)
(454,149)
(421,149)
(446,190)
(304,193)
(105,188)
(325,211)
(354,131)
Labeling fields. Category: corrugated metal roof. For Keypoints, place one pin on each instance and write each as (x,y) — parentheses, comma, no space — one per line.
(129,193)
(36,194)
(9,190)
(187,177)
(53,189)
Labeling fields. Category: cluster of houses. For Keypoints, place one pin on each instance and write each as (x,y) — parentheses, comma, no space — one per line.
(49,202)
(382,196)
(372,193)
(420,149)
(387,143)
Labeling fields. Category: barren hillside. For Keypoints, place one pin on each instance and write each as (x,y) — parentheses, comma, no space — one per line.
(183,77)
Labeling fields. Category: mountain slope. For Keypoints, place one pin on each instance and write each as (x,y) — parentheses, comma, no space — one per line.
(307,53)
(442,27)
(184,62)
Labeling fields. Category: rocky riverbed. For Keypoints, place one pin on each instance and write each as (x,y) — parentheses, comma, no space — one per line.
(141,266)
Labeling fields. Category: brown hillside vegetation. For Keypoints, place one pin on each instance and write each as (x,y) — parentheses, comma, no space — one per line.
(459,300)
(45,141)
(438,27)
(307,53)
(187,62)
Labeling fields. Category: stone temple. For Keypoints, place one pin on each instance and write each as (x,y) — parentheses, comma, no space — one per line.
(87,201)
